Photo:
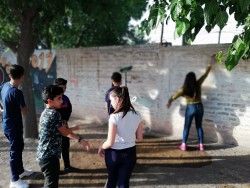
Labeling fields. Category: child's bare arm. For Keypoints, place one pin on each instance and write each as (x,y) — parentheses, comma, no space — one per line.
(68,133)
(75,128)
(139,132)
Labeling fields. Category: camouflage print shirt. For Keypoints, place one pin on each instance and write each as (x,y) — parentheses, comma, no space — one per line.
(50,139)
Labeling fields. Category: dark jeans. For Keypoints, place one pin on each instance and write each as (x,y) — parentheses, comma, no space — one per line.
(16,159)
(65,151)
(193,111)
(50,168)
(120,164)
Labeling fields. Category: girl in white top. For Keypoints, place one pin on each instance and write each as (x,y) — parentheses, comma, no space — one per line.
(125,126)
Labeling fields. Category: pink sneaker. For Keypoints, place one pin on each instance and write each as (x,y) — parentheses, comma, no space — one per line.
(183,147)
(201,146)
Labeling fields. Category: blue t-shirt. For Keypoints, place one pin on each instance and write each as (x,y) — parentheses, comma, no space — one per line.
(66,108)
(110,107)
(12,100)
(50,139)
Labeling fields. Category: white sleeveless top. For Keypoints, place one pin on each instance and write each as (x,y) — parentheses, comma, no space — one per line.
(126,129)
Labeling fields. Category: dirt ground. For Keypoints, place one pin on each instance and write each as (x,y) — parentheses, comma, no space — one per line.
(160,163)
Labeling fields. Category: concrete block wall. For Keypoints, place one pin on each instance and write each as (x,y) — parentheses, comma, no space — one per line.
(157,73)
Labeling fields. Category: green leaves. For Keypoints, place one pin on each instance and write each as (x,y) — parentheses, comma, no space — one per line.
(157,15)
(218,57)
(244,5)
(235,52)
(176,9)
(191,15)
(240,47)
(181,27)
(67,24)
(211,14)
(221,19)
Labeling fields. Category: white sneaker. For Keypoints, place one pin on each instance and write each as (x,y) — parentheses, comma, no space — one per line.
(19,184)
(26,173)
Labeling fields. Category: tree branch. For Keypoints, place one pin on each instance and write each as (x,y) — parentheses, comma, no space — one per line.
(15,11)
(33,11)
(12,45)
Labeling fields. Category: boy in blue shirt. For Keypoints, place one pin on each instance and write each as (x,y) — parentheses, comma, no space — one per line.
(116,79)
(65,112)
(13,107)
(51,129)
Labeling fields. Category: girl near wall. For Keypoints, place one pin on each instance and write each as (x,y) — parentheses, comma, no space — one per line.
(191,91)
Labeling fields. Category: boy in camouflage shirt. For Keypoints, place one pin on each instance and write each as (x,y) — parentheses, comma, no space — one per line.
(51,129)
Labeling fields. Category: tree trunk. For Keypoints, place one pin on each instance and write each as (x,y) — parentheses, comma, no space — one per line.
(24,51)
(30,120)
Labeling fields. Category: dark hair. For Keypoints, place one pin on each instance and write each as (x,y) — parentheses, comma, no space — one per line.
(124,104)
(16,71)
(116,77)
(50,92)
(191,87)
(60,81)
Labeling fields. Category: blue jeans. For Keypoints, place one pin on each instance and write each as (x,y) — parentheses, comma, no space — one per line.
(16,160)
(193,111)
(120,164)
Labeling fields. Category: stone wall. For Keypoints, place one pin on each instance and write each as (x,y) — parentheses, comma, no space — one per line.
(156,74)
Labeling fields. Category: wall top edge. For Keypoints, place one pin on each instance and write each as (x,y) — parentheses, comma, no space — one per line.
(155,45)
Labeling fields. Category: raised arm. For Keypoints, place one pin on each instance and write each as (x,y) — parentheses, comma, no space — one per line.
(209,66)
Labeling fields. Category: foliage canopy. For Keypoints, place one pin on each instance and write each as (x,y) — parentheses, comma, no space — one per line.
(191,15)
(67,24)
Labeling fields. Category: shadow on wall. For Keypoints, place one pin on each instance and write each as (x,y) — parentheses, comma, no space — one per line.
(147,107)
(224,108)
(143,105)
(221,119)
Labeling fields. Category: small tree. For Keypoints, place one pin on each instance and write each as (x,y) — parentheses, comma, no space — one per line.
(191,15)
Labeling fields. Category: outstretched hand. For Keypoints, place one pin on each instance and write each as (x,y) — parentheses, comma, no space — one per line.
(75,127)
(212,60)
(85,144)
(101,152)
(169,104)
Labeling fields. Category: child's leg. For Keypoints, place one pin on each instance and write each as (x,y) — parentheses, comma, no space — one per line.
(112,163)
(50,169)
(16,148)
(189,115)
(128,161)
(65,151)
(198,122)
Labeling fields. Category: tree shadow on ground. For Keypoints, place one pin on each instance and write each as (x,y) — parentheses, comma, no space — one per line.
(159,162)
